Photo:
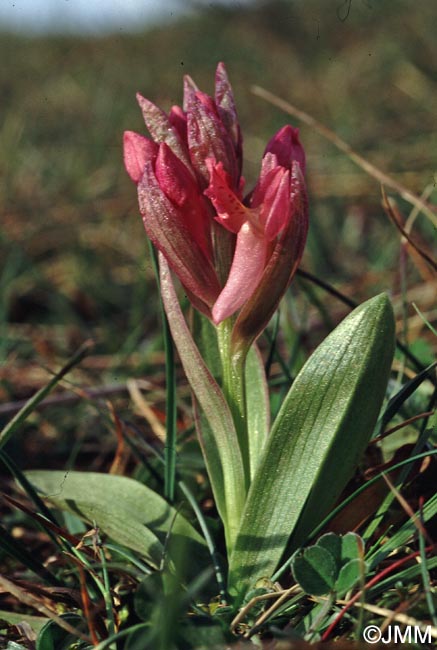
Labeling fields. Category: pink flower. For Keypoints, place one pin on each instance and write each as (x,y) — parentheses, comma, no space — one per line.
(229,253)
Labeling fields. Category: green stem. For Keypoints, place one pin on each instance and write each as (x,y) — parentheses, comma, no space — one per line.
(170,410)
(234,389)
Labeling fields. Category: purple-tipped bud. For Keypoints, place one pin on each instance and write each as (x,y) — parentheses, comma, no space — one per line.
(287,147)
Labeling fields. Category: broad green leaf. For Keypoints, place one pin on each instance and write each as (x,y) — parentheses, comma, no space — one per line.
(315,570)
(219,440)
(316,441)
(128,511)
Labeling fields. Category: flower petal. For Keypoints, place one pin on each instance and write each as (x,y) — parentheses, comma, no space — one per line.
(246,271)
(137,150)
(279,270)
(208,138)
(178,120)
(165,226)
(190,89)
(161,128)
(276,211)
(224,98)
(180,187)
(286,145)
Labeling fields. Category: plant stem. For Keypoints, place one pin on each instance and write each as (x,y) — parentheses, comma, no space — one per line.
(170,411)
(234,389)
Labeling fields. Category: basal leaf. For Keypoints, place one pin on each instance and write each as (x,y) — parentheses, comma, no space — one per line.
(128,511)
(317,438)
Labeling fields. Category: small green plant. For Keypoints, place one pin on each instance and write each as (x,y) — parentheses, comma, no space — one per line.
(334,565)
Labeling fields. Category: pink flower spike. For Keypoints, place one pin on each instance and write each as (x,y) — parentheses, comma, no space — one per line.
(246,272)
(137,150)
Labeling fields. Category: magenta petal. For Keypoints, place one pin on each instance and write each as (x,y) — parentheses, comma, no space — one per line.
(178,120)
(224,98)
(161,128)
(208,138)
(246,271)
(137,150)
(276,210)
(190,89)
(279,270)
(166,227)
(173,177)
(269,171)
(180,187)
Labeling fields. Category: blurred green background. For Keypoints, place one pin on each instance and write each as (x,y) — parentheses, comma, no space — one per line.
(74,260)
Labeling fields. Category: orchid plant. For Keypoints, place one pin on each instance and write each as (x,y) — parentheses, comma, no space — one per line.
(235,258)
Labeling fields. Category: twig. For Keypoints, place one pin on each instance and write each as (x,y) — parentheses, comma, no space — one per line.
(30,405)
(395,218)
(403,619)
(80,393)
(388,432)
(29,600)
(429,209)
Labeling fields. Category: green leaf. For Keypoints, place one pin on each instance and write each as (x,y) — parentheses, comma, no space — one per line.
(332,543)
(15,618)
(352,548)
(128,511)
(401,396)
(348,576)
(53,637)
(316,441)
(315,570)
(219,439)
(257,396)
(258,406)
